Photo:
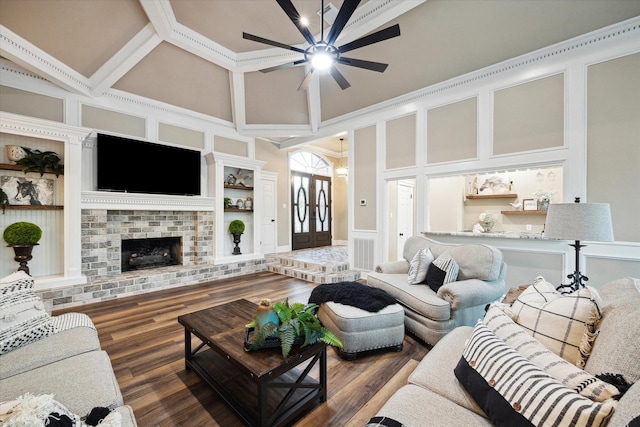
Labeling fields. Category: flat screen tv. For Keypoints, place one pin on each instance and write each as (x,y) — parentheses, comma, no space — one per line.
(131,166)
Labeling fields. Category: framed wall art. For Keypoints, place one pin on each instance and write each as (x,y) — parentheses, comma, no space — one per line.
(27,191)
(529,205)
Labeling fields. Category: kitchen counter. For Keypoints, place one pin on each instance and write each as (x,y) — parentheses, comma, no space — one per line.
(494,234)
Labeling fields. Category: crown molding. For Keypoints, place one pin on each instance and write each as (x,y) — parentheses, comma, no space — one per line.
(34,59)
(137,201)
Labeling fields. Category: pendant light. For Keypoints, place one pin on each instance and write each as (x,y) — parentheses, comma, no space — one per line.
(341,171)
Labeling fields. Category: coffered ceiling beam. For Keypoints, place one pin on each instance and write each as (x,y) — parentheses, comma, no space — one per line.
(124,60)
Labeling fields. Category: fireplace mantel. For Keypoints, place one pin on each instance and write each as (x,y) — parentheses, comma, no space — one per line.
(134,201)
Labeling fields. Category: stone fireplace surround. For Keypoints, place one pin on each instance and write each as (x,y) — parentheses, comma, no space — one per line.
(101,234)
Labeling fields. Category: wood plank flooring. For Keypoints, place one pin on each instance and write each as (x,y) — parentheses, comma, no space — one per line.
(145,342)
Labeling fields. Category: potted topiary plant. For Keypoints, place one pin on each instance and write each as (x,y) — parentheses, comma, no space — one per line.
(22,237)
(297,322)
(40,161)
(236,228)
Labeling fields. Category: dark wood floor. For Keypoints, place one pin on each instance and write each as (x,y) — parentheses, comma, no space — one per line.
(146,345)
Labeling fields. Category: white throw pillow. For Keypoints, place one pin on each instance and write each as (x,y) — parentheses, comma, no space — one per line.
(23,320)
(418,266)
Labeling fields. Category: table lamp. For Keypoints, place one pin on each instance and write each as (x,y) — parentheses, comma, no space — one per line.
(578,221)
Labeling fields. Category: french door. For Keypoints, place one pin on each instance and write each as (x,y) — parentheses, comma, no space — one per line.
(311,210)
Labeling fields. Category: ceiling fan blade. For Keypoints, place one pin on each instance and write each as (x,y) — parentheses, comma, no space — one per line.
(307,79)
(368,65)
(280,67)
(345,12)
(270,42)
(293,14)
(339,78)
(378,36)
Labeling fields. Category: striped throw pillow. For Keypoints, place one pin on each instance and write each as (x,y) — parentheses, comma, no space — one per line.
(567,373)
(442,270)
(514,392)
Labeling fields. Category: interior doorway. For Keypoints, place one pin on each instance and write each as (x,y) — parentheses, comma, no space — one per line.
(311,210)
(401,196)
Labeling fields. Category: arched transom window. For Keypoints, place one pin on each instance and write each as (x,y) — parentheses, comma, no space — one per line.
(305,161)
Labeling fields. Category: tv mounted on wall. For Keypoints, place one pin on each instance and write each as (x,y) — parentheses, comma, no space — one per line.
(132,166)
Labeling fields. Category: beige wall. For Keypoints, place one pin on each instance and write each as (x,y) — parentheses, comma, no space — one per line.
(529,116)
(111,121)
(31,104)
(364,174)
(230,146)
(340,205)
(613,138)
(180,135)
(452,132)
(401,142)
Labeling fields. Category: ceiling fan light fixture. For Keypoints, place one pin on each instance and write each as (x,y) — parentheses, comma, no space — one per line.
(321,60)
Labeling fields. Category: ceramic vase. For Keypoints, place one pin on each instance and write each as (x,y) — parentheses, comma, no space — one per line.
(15,153)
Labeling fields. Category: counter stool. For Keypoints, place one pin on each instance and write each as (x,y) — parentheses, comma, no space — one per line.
(361,330)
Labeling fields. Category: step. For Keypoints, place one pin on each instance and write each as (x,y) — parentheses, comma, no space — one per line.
(314,274)
(325,267)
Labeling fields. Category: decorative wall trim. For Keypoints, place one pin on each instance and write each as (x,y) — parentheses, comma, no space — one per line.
(134,201)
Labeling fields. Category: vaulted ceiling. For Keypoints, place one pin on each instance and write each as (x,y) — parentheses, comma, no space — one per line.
(191,54)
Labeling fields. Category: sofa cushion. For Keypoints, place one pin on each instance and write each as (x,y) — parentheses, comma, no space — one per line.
(567,373)
(23,319)
(441,271)
(58,346)
(435,370)
(413,405)
(14,282)
(418,266)
(565,324)
(617,348)
(80,382)
(513,391)
(420,299)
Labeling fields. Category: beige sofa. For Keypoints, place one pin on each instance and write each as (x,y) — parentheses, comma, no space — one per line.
(433,395)
(67,363)
(430,315)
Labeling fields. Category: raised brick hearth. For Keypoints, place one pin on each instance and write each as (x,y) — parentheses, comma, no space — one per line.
(102,233)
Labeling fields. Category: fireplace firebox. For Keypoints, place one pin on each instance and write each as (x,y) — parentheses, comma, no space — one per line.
(153,252)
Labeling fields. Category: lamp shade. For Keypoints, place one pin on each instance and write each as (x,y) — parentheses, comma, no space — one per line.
(579,221)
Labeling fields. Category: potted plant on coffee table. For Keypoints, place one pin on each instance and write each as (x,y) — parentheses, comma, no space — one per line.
(22,237)
(297,321)
(236,228)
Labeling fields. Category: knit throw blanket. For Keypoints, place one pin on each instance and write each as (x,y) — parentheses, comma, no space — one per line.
(354,294)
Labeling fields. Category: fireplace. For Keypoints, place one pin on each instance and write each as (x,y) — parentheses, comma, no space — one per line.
(138,254)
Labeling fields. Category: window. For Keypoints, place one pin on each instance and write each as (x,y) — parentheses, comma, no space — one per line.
(304,161)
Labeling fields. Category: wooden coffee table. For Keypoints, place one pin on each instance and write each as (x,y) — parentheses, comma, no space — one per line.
(259,386)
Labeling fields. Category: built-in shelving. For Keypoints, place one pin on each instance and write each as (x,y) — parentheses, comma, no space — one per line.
(238,210)
(238,187)
(523,212)
(36,207)
(492,196)
(10,167)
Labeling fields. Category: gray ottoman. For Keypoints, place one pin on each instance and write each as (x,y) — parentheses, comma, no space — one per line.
(361,330)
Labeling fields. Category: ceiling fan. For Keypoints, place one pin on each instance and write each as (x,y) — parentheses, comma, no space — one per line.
(324,54)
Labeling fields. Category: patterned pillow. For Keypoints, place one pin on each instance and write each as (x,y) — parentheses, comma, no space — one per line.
(418,266)
(15,282)
(567,373)
(514,392)
(23,320)
(565,324)
(442,271)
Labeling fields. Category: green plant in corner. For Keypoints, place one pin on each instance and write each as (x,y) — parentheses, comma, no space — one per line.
(236,227)
(40,161)
(296,320)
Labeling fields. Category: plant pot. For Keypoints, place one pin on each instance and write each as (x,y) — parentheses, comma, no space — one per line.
(23,255)
(236,241)
(15,153)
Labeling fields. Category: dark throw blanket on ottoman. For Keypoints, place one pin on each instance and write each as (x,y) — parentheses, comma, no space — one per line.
(352,293)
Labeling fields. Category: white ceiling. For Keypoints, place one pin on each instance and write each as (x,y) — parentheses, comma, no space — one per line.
(190,53)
